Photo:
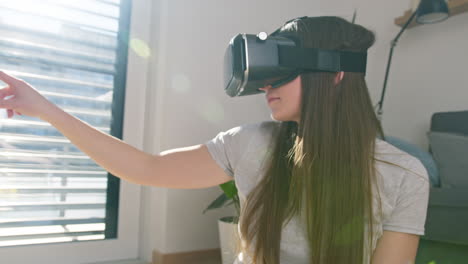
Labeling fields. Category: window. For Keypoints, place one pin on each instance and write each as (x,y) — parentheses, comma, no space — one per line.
(75,53)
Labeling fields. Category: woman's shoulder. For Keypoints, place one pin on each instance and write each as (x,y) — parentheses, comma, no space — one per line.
(404,188)
(395,164)
(262,127)
(390,153)
(258,134)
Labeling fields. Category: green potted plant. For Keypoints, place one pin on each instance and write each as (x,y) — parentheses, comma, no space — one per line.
(227,225)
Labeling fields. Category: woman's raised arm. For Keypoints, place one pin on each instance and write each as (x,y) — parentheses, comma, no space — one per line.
(184,168)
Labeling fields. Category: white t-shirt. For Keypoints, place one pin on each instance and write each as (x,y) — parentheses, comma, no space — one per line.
(242,152)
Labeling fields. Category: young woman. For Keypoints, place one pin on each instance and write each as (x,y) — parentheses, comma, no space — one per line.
(317,184)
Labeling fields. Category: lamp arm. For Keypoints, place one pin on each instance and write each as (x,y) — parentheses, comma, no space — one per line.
(393,44)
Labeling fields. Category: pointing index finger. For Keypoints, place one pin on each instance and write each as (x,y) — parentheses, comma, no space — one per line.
(8,79)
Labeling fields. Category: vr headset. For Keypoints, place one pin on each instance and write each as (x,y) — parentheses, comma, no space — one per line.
(256,61)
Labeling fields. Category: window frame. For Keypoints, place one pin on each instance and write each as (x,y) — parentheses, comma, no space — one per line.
(126,245)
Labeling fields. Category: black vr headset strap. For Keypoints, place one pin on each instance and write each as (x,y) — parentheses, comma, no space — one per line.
(310,59)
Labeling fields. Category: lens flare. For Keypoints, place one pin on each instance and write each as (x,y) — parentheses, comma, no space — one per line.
(211,110)
(180,83)
(140,48)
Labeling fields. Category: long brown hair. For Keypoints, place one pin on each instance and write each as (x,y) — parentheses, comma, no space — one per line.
(322,168)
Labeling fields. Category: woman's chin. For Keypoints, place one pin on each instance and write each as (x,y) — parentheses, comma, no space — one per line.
(281,118)
(272,116)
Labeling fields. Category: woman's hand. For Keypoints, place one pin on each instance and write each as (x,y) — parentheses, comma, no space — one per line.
(18,97)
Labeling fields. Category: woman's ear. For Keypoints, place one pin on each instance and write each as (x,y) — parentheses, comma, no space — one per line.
(339,76)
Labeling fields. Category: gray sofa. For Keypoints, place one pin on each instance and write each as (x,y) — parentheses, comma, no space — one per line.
(446,229)
(446,237)
(446,162)
(447,216)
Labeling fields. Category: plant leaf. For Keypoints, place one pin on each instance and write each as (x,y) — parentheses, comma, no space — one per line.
(218,203)
(229,188)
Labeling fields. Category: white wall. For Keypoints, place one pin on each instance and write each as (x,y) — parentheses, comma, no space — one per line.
(186,104)
(428,66)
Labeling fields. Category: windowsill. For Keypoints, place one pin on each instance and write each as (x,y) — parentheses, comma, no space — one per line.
(123,262)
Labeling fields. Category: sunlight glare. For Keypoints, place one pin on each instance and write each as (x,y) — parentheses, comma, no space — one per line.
(27,21)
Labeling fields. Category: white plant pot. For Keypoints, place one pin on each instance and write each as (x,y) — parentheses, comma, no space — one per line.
(228,238)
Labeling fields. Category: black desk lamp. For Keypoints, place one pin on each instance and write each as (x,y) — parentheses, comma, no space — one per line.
(428,11)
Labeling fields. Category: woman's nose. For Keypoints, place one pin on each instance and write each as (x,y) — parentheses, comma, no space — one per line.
(265,88)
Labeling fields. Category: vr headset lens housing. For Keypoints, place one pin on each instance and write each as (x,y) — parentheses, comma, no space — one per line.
(251,63)
(254,61)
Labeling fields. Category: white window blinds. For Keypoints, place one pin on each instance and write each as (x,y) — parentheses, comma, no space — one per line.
(68,50)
